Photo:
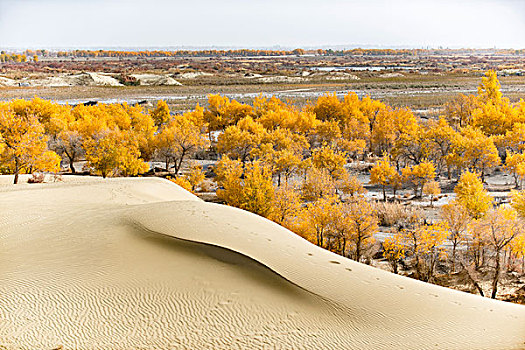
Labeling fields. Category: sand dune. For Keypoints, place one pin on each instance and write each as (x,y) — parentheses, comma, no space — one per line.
(155,80)
(140,263)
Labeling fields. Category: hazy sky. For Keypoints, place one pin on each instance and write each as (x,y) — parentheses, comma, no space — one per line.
(262,23)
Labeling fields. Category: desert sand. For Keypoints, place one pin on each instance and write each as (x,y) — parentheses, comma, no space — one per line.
(140,263)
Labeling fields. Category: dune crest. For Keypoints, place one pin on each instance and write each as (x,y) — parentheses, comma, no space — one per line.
(141,263)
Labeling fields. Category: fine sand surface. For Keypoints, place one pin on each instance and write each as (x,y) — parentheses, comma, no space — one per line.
(142,264)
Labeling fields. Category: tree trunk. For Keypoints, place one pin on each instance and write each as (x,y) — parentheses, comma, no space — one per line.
(17,171)
(496,276)
(384,194)
(474,282)
(179,165)
(394,266)
(71,157)
(454,257)
(358,250)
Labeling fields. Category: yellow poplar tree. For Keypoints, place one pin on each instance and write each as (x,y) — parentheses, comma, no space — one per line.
(286,205)
(385,174)
(418,175)
(457,219)
(394,250)
(515,165)
(471,194)
(350,185)
(317,220)
(360,219)
(24,145)
(240,140)
(518,202)
(161,114)
(473,150)
(431,189)
(195,176)
(257,191)
(179,139)
(498,227)
(318,184)
(249,187)
(327,158)
(112,152)
(229,173)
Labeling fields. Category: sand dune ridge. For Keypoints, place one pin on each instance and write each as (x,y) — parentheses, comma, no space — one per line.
(140,263)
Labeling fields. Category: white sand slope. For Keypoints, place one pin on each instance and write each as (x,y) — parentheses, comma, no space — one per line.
(7,82)
(155,80)
(140,263)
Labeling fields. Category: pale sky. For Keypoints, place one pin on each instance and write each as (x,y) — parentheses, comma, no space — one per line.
(262,23)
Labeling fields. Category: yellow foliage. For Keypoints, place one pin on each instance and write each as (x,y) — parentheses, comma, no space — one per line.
(474,150)
(459,111)
(328,132)
(392,128)
(457,218)
(318,184)
(518,202)
(222,112)
(431,189)
(114,152)
(515,165)
(517,246)
(385,174)
(240,140)
(229,174)
(317,219)
(394,249)
(497,229)
(490,89)
(195,176)
(257,191)
(424,243)
(494,117)
(439,139)
(286,205)
(471,194)
(514,138)
(24,145)
(179,139)
(418,175)
(161,114)
(254,193)
(182,182)
(350,185)
(355,223)
(327,158)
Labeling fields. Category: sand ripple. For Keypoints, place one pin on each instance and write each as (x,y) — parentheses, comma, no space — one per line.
(141,264)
